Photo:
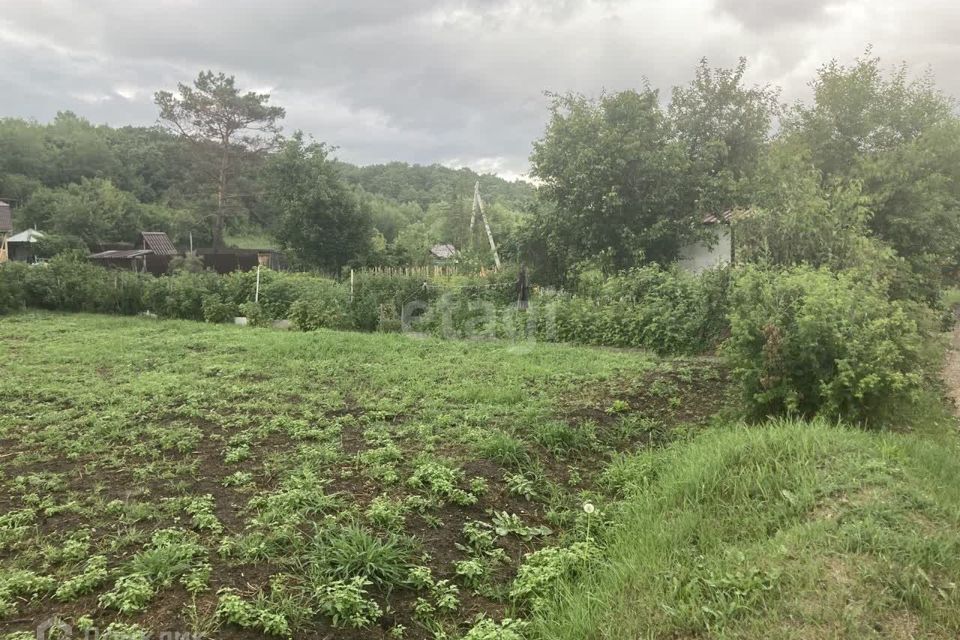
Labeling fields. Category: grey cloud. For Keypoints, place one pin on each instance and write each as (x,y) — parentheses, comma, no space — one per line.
(425,80)
(774,14)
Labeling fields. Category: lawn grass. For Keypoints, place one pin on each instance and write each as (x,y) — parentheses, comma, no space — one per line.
(789,530)
(239,482)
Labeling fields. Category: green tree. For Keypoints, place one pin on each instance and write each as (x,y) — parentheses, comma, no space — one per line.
(796,219)
(614,173)
(317,215)
(221,120)
(93,210)
(724,128)
(900,139)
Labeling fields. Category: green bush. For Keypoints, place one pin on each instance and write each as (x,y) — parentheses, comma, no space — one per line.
(216,310)
(326,306)
(809,341)
(665,310)
(70,283)
(12,294)
(181,295)
(255,314)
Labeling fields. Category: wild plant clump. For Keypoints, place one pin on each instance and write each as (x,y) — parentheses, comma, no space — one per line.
(810,341)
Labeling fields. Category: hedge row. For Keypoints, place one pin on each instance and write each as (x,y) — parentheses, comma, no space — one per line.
(660,309)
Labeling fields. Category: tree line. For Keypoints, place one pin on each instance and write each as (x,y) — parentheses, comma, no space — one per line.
(863,174)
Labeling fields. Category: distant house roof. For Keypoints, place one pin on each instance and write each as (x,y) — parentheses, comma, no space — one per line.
(719,218)
(30,235)
(119,254)
(158,242)
(443,251)
(6,218)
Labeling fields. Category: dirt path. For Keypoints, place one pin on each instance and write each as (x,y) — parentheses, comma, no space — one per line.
(951,370)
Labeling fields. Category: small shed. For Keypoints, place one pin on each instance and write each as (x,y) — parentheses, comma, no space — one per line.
(700,256)
(22,246)
(156,241)
(151,254)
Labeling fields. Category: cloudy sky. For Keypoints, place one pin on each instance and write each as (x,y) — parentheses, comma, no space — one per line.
(452,81)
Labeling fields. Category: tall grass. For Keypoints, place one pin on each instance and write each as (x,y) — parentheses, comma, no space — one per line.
(771,532)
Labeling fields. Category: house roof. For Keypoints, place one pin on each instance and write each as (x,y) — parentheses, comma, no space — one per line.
(719,218)
(6,217)
(158,242)
(120,254)
(30,235)
(443,251)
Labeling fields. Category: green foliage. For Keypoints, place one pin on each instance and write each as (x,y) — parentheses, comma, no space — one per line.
(703,599)
(93,210)
(70,283)
(348,552)
(181,295)
(346,603)
(226,124)
(12,289)
(625,181)
(130,594)
(807,342)
(92,575)
(255,314)
(22,583)
(216,310)
(506,629)
(326,306)
(592,154)
(546,567)
(318,219)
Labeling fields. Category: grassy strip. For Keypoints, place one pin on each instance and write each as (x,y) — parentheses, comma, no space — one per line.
(793,530)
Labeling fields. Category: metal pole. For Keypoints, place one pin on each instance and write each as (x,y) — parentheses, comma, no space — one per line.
(256,296)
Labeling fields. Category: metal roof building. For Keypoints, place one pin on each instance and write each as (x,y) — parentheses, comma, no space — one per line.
(158,242)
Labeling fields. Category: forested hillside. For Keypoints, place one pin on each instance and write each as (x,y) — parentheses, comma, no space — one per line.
(95,184)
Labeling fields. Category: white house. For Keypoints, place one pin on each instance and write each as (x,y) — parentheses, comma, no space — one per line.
(701,256)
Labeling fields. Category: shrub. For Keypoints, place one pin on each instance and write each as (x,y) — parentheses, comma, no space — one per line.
(215,309)
(181,295)
(374,291)
(255,314)
(325,306)
(12,294)
(70,283)
(808,341)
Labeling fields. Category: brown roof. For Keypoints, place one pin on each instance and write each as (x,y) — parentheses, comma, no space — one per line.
(158,242)
(6,218)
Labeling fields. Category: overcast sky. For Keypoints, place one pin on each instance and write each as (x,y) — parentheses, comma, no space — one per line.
(455,82)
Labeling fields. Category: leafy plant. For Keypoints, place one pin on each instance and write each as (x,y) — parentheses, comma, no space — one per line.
(346,603)
(807,341)
(93,575)
(130,593)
